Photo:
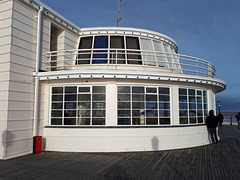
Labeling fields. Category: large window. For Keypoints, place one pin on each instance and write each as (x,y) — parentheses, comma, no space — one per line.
(193,106)
(139,105)
(78,105)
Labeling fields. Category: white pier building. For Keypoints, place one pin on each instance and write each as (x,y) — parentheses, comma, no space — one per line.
(103,89)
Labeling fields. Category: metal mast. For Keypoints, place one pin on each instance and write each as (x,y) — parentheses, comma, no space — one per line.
(118,19)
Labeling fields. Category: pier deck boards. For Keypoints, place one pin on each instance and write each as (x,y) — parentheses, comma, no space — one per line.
(220,161)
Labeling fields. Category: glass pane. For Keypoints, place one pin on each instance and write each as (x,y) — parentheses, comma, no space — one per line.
(134,57)
(99,89)
(99,56)
(70,113)
(192,105)
(148,57)
(123,97)
(151,97)
(184,120)
(163,90)
(199,113)
(191,99)
(138,113)
(98,121)
(192,113)
(138,105)
(151,121)
(182,91)
(84,56)
(164,113)
(72,89)
(98,113)
(164,120)
(124,105)
(200,119)
(151,90)
(72,97)
(199,92)
(151,113)
(99,105)
(84,97)
(183,106)
(204,93)
(183,113)
(84,113)
(182,98)
(199,106)
(57,90)
(138,121)
(151,105)
(117,42)
(124,113)
(191,92)
(193,120)
(164,98)
(124,121)
(138,90)
(57,97)
(199,99)
(98,97)
(84,89)
(69,121)
(138,97)
(85,43)
(56,121)
(164,105)
(56,113)
(84,105)
(57,105)
(70,105)
(123,89)
(83,121)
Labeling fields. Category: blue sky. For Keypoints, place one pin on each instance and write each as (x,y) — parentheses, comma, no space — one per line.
(208,29)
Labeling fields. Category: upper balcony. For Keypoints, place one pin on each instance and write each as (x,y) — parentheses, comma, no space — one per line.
(129,59)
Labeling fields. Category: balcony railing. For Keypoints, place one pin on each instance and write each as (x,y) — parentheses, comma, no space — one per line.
(175,63)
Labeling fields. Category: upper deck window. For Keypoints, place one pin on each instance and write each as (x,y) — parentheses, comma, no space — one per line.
(100,56)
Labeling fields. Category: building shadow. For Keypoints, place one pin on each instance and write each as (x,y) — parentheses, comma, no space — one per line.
(155,143)
(7,137)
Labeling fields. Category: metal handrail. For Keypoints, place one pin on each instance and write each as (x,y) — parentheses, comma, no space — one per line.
(177,63)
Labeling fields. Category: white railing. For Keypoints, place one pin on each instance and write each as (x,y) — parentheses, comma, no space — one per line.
(177,63)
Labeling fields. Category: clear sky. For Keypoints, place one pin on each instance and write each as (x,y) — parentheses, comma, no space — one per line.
(207,29)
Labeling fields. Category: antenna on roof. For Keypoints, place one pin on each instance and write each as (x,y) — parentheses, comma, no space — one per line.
(118,19)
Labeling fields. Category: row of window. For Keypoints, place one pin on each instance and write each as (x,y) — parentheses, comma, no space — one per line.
(124,55)
(136,105)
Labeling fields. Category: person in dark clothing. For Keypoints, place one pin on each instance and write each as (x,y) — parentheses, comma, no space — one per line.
(220,119)
(212,123)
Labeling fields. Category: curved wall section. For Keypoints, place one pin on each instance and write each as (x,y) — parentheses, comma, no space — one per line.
(124,139)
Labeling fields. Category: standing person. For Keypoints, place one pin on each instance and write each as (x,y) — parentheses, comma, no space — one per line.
(238,119)
(212,123)
(220,119)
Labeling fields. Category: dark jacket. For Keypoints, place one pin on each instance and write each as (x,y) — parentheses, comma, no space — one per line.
(212,121)
(220,118)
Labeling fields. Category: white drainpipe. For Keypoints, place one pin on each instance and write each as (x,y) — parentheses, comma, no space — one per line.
(37,70)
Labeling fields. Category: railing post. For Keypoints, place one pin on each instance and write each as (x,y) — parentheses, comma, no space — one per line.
(197,67)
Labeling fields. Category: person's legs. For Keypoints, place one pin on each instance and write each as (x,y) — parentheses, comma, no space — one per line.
(215,135)
(210,130)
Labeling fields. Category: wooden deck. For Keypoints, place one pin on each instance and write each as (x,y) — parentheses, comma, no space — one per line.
(220,161)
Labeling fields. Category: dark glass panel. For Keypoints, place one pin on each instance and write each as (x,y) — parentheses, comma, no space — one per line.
(70,113)
(164,98)
(137,113)
(124,105)
(151,113)
(124,121)
(72,89)
(84,105)
(191,92)
(199,99)
(84,97)
(192,105)
(151,90)
(98,113)
(164,121)
(69,121)
(182,98)
(199,92)
(192,99)
(57,97)
(72,97)
(84,89)
(199,113)
(84,113)
(123,97)
(183,106)
(99,89)
(164,105)
(138,121)
(99,105)
(200,119)
(151,121)
(193,120)
(56,121)
(84,56)
(192,113)
(83,121)
(151,105)
(184,120)
(70,105)
(98,97)
(199,106)
(134,57)
(117,42)
(123,89)
(138,97)
(98,121)
(124,113)
(165,113)
(57,105)
(138,105)
(151,97)
(57,90)
(163,90)
(138,90)
(56,113)
(100,56)
(183,113)
(182,91)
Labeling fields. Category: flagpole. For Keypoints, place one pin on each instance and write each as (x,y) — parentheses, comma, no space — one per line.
(118,19)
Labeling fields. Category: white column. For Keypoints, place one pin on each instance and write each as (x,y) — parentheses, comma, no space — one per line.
(175,105)
(111,103)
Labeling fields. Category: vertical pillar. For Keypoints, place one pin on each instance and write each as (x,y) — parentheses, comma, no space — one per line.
(111,103)
(175,105)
